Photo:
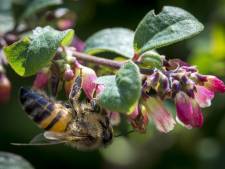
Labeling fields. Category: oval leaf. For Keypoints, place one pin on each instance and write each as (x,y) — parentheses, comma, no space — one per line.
(12,161)
(37,5)
(6,18)
(115,40)
(122,91)
(32,53)
(171,25)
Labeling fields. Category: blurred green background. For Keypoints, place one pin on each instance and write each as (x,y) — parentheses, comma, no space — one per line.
(180,149)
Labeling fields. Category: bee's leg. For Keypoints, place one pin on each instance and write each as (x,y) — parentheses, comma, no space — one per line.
(75,94)
(94,106)
(93,102)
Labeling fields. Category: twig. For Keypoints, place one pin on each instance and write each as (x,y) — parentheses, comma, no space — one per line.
(106,62)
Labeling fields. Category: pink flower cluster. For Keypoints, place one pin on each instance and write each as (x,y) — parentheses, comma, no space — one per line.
(181,83)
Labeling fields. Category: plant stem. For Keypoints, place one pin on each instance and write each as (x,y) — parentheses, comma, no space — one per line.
(106,62)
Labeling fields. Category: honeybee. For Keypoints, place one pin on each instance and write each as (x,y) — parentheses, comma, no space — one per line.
(84,126)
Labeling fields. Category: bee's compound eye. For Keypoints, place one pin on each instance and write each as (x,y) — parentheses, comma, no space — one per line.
(107,136)
(107,132)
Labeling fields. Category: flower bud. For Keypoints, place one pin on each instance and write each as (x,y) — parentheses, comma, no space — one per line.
(11,38)
(68,74)
(5,88)
(64,24)
(214,84)
(151,60)
(41,79)
(78,44)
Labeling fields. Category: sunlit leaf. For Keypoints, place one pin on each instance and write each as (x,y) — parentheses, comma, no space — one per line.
(6,19)
(122,91)
(114,40)
(32,53)
(37,5)
(171,25)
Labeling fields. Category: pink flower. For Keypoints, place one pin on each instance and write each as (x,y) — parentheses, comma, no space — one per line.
(88,81)
(188,111)
(215,84)
(88,85)
(162,118)
(139,119)
(203,96)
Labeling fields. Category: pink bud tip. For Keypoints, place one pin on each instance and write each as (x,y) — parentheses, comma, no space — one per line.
(78,44)
(88,85)
(41,80)
(215,84)
(68,74)
(64,24)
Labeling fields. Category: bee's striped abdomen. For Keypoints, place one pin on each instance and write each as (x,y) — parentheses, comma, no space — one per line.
(45,113)
(59,120)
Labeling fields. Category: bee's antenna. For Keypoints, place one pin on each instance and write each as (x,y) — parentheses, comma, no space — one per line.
(131,131)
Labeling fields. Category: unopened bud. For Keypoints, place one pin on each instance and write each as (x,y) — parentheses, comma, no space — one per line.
(10,38)
(151,60)
(78,44)
(41,79)
(5,88)
(68,74)
(64,24)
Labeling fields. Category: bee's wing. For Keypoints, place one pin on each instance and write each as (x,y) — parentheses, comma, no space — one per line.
(64,137)
(41,140)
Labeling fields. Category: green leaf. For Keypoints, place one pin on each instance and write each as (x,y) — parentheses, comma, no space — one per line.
(6,18)
(114,40)
(37,5)
(171,25)
(32,53)
(13,161)
(122,91)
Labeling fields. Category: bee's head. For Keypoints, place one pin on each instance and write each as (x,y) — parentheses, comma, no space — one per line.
(94,129)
